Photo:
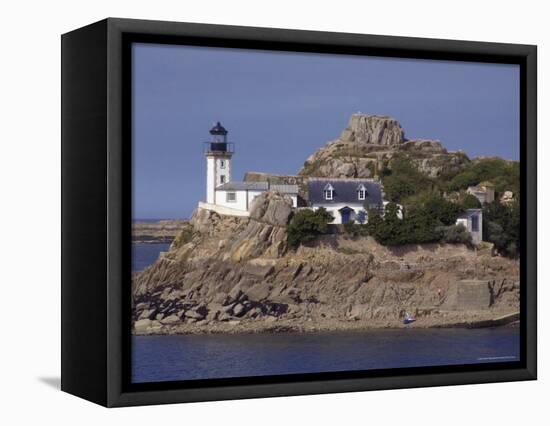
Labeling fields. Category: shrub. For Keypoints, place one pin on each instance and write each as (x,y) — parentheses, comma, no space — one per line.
(402,179)
(433,205)
(420,227)
(503,174)
(441,210)
(470,202)
(501,226)
(392,231)
(355,229)
(422,224)
(350,227)
(306,225)
(455,234)
(362,216)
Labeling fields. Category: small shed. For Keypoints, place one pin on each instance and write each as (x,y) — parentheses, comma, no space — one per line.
(472,220)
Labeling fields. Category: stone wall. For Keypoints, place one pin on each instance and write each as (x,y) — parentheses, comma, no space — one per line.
(468,295)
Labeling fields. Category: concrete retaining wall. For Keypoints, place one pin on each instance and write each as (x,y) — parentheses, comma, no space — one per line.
(468,295)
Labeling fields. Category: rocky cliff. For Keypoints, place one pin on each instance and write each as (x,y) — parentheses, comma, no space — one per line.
(369,142)
(233,274)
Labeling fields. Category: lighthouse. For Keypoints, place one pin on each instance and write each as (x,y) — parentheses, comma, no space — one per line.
(218,152)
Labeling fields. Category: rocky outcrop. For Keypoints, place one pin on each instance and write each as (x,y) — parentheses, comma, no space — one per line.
(368,144)
(231,274)
(373,129)
(209,238)
(272,208)
(431,157)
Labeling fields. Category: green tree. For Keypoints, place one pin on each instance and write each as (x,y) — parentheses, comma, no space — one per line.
(436,207)
(503,174)
(306,225)
(470,202)
(455,234)
(441,210)
(501,226)
(355,229)
(402,179)
(423,223)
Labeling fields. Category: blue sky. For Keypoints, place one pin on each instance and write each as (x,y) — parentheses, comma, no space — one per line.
(280,107)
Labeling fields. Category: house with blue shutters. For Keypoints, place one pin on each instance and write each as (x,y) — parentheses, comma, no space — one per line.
(346,199)
(472,220)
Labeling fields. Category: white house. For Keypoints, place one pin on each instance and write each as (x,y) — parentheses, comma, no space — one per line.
(472,220)
(223,194)
(239,195)
(484,192)
(346,199)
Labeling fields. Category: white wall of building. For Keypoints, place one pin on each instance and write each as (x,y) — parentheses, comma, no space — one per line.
(237,199)
(210,179)
(223,170)
(333,209)
(218,172)
(467,221)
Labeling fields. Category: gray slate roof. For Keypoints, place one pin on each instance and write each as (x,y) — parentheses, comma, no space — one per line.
(345,191)
(258,186)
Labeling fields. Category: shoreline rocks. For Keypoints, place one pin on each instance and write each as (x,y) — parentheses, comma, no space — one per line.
(274,325)
(162,231)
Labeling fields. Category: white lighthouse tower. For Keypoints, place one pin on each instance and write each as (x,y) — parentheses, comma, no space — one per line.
(218,154)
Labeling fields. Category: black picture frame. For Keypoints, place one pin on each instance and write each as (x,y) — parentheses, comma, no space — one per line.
(96,225)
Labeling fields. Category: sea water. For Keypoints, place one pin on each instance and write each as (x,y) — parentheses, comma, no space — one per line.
(144,254)
(188,357)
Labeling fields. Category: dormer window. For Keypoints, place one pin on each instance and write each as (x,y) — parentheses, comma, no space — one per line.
(328,192)
(361,192)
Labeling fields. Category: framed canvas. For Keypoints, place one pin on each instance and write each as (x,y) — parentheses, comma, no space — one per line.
(254,212)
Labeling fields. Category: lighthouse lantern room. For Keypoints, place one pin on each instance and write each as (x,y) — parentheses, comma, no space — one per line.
(218,152)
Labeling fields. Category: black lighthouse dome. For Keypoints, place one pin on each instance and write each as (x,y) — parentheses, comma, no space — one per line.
(218,142)
(218,129)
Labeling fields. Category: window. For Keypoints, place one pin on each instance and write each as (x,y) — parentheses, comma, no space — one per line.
(361,192)
(222,179)
(230,197)
(328,192)
(222,164)
(361,216)
(475,223)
